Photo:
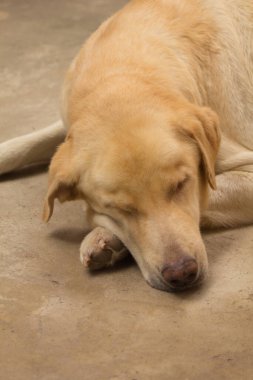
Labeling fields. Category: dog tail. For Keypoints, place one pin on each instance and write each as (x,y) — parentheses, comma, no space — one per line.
(33,148)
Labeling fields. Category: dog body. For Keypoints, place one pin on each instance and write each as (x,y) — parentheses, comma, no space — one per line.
(158,107)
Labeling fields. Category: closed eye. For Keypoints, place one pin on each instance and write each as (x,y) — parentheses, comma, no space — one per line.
(126,209)
(130,211)
(178,187)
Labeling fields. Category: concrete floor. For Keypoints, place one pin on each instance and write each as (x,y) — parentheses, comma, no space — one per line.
(59,322)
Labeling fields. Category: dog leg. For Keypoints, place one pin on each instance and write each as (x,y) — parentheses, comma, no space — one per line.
(231,205)
(101,249)
(33,148)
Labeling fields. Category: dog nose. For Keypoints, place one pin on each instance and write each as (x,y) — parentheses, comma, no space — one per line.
(181,273)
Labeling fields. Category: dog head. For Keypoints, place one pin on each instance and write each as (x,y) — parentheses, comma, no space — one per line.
(143,169)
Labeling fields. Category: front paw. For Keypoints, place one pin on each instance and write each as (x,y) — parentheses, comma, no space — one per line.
(101,249)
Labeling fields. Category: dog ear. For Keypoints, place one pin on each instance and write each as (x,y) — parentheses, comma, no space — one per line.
(63,180)
(202,125)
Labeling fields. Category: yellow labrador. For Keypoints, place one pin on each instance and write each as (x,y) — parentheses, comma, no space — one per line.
(159,110)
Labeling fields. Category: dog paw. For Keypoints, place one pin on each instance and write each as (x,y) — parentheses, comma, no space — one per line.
(101,249)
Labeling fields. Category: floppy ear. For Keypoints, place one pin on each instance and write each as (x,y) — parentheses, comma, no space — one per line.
(202,125)
(62,180)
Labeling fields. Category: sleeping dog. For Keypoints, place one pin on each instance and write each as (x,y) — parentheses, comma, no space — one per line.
(157,123)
